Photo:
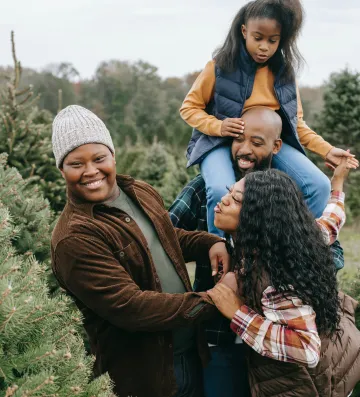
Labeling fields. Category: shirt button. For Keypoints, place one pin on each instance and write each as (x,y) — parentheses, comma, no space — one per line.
(170,345)
(122,254)
(127,219)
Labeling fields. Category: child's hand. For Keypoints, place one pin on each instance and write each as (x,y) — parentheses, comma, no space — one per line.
(335,155)
(232,127)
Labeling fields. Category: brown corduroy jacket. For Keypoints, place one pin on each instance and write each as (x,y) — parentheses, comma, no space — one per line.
(101,258)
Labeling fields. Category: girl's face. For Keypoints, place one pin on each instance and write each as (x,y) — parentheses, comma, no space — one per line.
(227,212)
(262,37)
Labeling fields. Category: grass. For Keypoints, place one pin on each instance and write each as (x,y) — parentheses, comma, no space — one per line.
(350,241)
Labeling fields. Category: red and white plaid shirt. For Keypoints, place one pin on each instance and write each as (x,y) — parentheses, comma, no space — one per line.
(287,331)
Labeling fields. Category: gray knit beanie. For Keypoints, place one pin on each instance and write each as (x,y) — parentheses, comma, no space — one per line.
(75,126)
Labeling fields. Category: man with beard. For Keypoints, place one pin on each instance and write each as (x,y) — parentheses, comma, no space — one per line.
(253,150)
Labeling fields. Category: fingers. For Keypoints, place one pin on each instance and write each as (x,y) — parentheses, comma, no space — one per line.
(352,163)
(346,153)
(214,265)
(330,166)
(232,127)
(237,121)
(231,134)
(215,296)
(226,264)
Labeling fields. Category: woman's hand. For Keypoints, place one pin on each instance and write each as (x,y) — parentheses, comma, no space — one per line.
(335,155)
(232,127)
(225,300)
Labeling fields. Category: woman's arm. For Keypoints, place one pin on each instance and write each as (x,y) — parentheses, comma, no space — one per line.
(333,217)
(287,331)
(193,108)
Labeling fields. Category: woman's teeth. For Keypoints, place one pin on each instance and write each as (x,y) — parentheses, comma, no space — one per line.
(94,184)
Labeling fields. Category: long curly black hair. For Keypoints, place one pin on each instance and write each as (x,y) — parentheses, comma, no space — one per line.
(278,236)
(288,13)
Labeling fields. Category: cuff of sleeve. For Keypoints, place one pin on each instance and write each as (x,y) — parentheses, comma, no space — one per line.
(338,196)
(325,149)
(216,128)
(206,298)
(241,320)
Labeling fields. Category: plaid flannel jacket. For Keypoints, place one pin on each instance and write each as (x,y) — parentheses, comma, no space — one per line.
(287,332)
(189,212)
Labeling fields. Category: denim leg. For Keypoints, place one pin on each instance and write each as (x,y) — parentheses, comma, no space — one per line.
(313,183)
(218,172)
(188,373)
(226,374)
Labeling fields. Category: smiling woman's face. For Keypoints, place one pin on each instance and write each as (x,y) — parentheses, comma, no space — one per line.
(227,212)
(90,173)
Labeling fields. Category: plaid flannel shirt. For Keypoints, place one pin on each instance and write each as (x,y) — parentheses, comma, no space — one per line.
(189,212)
(287,331)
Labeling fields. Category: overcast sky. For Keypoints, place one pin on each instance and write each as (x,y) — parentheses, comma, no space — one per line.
(176,36)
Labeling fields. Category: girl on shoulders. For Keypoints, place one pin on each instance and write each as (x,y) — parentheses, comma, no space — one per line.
(256,66)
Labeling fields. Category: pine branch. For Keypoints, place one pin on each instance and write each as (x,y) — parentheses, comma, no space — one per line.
(16,78)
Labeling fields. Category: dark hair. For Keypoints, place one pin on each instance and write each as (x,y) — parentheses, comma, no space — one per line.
(279,237)
(288,13)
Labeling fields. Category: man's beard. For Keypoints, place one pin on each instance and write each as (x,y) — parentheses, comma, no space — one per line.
(262,165)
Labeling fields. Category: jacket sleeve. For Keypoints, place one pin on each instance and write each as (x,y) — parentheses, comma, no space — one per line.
(193,108)
(88,269)
(309,138)
(195,246)
(333,217)
(287,331)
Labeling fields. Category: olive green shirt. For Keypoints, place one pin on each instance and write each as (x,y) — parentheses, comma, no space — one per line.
(183,338)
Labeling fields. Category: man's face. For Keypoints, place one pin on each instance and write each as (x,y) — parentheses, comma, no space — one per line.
(227,212)
(254,148)
(90,173)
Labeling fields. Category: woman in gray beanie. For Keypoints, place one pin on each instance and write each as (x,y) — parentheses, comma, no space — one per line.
(115,251)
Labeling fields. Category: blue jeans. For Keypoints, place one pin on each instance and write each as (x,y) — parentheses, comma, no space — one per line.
(313,183)
(226,374)
(217,171)
(188,374)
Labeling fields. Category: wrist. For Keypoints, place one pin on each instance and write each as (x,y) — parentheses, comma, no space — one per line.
(337,184)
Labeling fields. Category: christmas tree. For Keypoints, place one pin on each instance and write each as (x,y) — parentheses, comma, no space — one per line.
(41,350)
(339,124)
(25,134)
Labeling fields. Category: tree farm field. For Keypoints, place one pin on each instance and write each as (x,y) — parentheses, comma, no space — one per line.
(350,241)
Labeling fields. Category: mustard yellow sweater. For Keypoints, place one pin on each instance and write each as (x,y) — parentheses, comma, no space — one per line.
(263,94)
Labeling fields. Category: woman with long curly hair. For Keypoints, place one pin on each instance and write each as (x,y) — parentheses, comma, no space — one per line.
(287,301)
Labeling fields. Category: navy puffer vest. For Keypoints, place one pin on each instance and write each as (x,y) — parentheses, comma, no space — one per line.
(231,92)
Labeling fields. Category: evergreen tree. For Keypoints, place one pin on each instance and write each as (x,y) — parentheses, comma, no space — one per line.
(339,123)
(41,350)
(157,165)
(25,134)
